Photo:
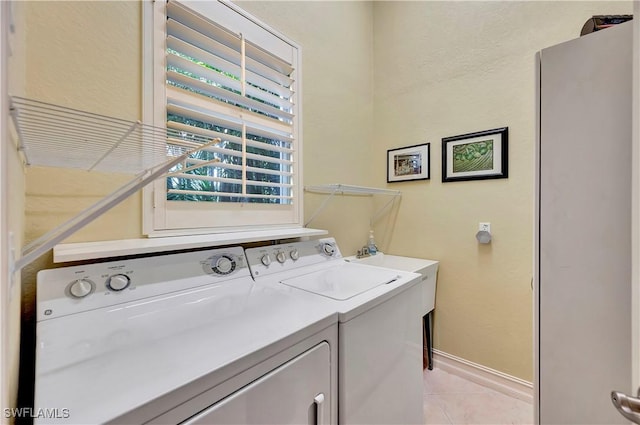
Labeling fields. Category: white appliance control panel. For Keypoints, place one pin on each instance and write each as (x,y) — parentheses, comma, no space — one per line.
(266,260)
(70,290)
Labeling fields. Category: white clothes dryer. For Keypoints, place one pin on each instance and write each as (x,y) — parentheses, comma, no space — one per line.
(180,338)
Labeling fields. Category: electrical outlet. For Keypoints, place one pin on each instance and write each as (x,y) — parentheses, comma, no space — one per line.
(484,227)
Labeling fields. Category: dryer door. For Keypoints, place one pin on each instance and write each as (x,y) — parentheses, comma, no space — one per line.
(298,392)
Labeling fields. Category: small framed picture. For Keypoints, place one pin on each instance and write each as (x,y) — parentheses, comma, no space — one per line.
(476,156)
(409,163)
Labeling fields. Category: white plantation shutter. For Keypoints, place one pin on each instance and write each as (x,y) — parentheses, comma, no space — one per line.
(228,77)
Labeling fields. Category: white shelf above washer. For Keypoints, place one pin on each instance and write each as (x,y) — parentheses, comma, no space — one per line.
(347,189)
(63,253)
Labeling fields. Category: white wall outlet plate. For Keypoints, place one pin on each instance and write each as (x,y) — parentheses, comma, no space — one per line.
(484,227)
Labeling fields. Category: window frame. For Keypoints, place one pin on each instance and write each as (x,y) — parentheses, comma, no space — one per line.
(168,218)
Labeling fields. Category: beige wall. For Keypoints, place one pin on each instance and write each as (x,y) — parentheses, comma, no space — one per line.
(103,74)
(15,217)
(449,68)
(84,55)
(16,225)
(441,69)
(337,84)
(88,57)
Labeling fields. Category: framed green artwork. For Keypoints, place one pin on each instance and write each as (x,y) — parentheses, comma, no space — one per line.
(476,156)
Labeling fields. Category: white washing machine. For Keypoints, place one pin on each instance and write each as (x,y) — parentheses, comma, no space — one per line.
(380,354)
(180,338)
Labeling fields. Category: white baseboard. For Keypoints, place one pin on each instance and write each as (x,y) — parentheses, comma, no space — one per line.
(490,378)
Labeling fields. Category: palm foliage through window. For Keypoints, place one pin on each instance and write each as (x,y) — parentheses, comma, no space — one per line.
(213,92)
(218,180)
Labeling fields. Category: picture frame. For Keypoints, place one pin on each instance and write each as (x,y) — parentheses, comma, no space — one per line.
(409,163)
(476,156)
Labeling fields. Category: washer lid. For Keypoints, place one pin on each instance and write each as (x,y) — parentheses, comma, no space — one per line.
(343,280)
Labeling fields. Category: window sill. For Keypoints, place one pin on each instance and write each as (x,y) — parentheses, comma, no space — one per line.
(63,253)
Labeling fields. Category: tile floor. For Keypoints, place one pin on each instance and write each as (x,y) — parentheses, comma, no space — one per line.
(452,400)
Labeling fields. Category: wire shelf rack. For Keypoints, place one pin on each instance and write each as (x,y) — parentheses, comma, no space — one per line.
(57,136)
(347,189)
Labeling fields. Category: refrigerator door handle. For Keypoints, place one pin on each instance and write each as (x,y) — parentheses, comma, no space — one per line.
(628,406)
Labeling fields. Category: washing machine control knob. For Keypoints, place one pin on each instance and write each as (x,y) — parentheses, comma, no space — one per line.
(223,265)
(294,254)
(281,257)
(118,282)
(81,288)
(328,249)
(266,259)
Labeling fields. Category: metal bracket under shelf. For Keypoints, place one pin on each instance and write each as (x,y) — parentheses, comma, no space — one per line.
(345,189)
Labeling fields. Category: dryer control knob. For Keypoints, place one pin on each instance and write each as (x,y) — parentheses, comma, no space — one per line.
(294,254)
(281,257)
(224,265)
(266,259)
(118,282)
(81,288)
(328,249)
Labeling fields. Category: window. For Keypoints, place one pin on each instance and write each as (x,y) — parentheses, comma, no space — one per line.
(220,74)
